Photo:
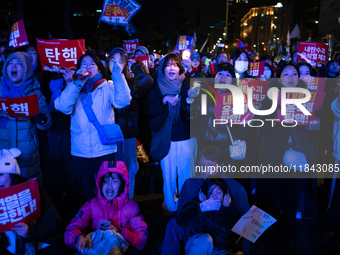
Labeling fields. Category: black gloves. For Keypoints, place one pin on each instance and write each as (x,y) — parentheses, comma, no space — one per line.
(39,119)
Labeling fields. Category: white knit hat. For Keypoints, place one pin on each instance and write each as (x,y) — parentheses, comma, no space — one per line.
(8,163)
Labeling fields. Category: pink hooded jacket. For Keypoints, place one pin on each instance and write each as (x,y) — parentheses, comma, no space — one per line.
(123,212)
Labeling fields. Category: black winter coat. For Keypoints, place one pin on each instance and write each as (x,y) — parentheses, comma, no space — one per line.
(158,112)
(141,84)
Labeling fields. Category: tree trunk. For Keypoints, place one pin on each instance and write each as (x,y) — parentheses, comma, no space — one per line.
(66,22)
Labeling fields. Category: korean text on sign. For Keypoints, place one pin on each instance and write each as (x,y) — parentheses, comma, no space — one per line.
(19,106)
(19,203)
(55,54)
(252,224)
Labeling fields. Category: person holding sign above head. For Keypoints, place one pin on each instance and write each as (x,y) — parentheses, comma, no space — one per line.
(89,98)
(18,81)
(112,218)
(43,235)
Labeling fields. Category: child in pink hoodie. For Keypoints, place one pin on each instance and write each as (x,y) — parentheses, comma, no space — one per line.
(112,204)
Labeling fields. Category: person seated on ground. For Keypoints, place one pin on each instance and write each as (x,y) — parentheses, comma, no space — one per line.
(208,157)
(111,214)
(44,234)
(209,218)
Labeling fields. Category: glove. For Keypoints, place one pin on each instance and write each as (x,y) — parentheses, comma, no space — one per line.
(39,118)
(210,205)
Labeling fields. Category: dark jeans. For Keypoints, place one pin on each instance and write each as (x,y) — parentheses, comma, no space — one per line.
(86,170)
(172,240)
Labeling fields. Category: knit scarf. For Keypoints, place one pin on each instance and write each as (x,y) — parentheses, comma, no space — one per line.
(90,82)
(9,90)
(170,88)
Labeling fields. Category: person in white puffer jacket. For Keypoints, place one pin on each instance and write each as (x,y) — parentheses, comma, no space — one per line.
(86,148)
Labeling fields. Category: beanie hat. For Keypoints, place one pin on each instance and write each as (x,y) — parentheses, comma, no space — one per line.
(142,49)
(118,50)
(26,65)
(194,56)
(8,163)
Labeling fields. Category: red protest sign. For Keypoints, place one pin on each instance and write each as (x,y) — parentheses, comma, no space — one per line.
(131,45)
(19,203)
(242,45)
(20,106)
(18,35)
(145,59)
(314,83)
(294,113)
(58,53)
(225,111)
(259,88)
(256,69)
(312,51)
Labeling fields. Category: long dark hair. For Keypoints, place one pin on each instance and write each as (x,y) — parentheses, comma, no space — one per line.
(213,182)
(97,60)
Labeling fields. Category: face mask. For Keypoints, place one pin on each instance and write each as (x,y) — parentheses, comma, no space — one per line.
(267,74)
(241,66)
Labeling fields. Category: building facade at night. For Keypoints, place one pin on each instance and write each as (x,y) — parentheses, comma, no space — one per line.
(259,26)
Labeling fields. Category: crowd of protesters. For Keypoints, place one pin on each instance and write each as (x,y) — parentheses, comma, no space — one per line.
(66,147)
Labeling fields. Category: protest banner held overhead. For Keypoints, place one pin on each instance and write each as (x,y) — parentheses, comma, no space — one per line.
(18,35)
(312,52)
(130,45)
(19,107)
(118,12)
(19,203)
(184,42)
(59,53)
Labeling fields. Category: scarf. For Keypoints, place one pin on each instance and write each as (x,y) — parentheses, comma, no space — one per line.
(90,82)
(167,86)
(34,67)
(170,88)
(9,90)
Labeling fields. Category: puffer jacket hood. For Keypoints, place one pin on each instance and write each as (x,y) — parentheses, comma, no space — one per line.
(117,167)
(26,65)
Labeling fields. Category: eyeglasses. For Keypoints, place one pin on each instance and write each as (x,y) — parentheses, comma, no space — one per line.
(87,64)
(31,52)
